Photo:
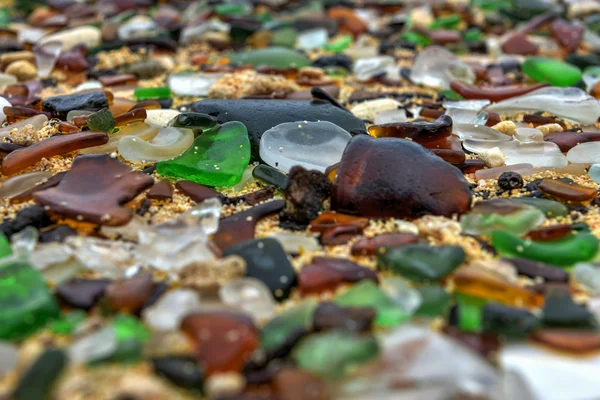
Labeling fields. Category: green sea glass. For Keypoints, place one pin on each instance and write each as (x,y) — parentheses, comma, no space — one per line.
(518,222)
(68,322)
(218,157)
(367,294)
(277,330)
(5,248)
(276,57)
(558,73)
(446,22)
(152,93)
(562,252)
(333,354)
(102,121)
(421,263)
(550,208)
(470,312)
(339,45)
(434,301)
(26,302)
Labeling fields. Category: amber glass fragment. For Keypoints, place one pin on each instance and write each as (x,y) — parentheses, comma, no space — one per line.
(348,20)
(118,80)
(340,234)
(130,117)
(575,341)
(494,94)
(476,282)
(196,191)
(328,220)
(121,106)
(567,191)
(224,341)
(53,146)
(449,149)
(162,190)
(94,189)
(65,127)
(551,232)
(19,113)
(147,104)
(369,247)
(419,131)
(130,294)
(567,140)
(471,166)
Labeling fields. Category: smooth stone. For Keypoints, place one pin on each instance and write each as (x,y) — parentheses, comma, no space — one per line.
(333,354)
(18,184)
(87,35)
(522,169)
(267,262)
(160,118)
(275,57)
(365,184)
(550,208)
(369,110)
(561,252)
(167,144)
(217,157)
(182,371)
(435,66)
(557,72)
(192,85)
(313,145)
(37,381)
(170,309)
(585,153)
(261,115)
(61,105)
(570,103)
(4,103)
(567,191)
(270,175)
(570,340)
(421,263)
(366,293)
(561,310)
(367,68)
(499,214)
(508,322)
(250,295)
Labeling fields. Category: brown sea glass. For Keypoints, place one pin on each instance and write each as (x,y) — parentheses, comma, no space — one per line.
(240,227)
(370,246)
(94,189)
(224,341)
(419,131)
(130,294)
(340,234)
(567,140)
(196,192)
(567,34)
(348,20)
(567,191)
(295,384)
(485,344)
(73,60)
(131,117)
(397,178)
(551,232)
(575,341)
(121,106)
(147,104)
(19,113)
(162,190)
(53,146)
(474,281)
(328,220)
(443,37)
(327,273)
(118,80)
(67,128)
(449,149)
(518,43)
(494,94)
(471,166)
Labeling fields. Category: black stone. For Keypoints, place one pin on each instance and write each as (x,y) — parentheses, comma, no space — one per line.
(61,105)
(508,321)
(261,115)
(583,61)
(266,261)
(329,316)
(192,120)
(560,310)
(57,234)
(535,269)
(37,382)
(337,60)
(34,216)
(165,103)
(82,293)
(510,180)
(304,196)
(158,290)
(181,370)
(271,176)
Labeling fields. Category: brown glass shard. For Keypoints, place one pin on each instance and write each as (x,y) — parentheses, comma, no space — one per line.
(259,196)
(471,92)
(449,149)
(340,234)
(130,294)
(519,44)
(327,273)
(118,80)
(419,131)
(28,194)
(567,140)
(551,232)
(485,344)
(567,34)
(67,128)
(369,247)
(567,191)
(576,341)
(197,192)
(471,166)
(162,190)
(130,117)
(94,189)
(147,105)
(328,220)
(53,146)
(240,226)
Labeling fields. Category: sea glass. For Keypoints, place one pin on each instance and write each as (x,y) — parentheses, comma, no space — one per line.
(167,144)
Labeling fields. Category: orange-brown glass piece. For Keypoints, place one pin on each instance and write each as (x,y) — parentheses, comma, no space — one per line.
(325,274)
(551,232)
(147,104)
(130,117)
(53,146)
(498,93)
(419,131)
(575,341)
(328,220)
(130,294)
(369,247)
(118,80)
(567,191)
(449,149)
